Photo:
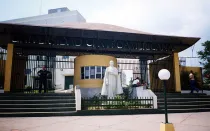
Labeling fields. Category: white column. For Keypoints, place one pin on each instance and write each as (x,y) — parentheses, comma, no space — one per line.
(78,97)
(154,99)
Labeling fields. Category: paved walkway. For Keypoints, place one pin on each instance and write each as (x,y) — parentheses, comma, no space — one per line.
(182,122)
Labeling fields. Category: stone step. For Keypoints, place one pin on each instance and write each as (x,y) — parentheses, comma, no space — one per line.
(162,93)
(185,110)
(185,103)
(35,97)
(185,106)
(185,96)
(36,94)
(36,101)
(51,109)
(47,105)
(37,114)
(183,99)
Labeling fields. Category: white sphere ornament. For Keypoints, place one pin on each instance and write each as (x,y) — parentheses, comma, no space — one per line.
(164,74)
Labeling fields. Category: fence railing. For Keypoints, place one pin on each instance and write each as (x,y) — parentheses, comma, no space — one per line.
(32,91)
(96,103)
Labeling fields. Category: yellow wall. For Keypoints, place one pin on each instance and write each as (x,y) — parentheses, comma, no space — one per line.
(195,70)
(2,67)
(176,73)
(170,63)
(155,83)
(8,68)
(2,72)
(90,60)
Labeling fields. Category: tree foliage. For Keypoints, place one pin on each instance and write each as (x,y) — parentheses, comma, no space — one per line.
(204,55)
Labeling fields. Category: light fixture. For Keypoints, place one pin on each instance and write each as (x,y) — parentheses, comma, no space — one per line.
(164,74)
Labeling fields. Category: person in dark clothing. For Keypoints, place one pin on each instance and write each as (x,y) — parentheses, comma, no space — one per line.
(192,82)
(43,74)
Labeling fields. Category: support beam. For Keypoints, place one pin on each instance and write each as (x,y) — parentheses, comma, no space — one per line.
(176,72)
(8,68)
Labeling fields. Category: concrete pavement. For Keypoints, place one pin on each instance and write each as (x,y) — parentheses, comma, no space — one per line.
(182,122)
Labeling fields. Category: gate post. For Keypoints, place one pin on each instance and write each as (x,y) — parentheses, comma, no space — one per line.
(8,67)
(176,72)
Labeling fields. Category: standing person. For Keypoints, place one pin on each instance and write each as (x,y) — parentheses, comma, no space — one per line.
(192,82)
(43,74)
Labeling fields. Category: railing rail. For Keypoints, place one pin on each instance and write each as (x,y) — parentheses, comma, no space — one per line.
(101,103)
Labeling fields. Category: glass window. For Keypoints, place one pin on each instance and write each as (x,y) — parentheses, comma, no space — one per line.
(92,72)
(87,72)
(65,57)
(103,71)
(82,73)
(98,72)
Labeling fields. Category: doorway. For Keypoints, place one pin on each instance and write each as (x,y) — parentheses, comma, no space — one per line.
(69,80)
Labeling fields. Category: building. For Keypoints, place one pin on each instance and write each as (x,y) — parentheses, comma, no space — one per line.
(54,17)
(131,49)
(79,41)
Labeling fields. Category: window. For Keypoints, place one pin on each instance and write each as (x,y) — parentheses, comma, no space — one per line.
(93,72)
(98,72)
(82,73)
(87,72)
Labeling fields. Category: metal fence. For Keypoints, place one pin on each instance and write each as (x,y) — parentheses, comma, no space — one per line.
(26,67)
(3,57)
(96,103)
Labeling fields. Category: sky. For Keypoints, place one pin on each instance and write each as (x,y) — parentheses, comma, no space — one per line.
(168,17)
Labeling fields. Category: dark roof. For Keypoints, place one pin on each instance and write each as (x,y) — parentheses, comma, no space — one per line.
(99,31)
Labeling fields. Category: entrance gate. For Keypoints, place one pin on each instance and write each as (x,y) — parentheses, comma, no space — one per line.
(26,64)
(147,70)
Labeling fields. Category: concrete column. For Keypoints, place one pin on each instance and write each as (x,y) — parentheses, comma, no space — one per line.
(8,68)
(176,72)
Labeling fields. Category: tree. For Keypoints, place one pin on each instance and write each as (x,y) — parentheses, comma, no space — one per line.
(204,55)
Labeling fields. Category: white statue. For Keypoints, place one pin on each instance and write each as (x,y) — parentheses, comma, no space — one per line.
(112,84)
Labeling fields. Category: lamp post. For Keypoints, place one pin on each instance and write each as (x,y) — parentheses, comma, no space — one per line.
(164,75)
